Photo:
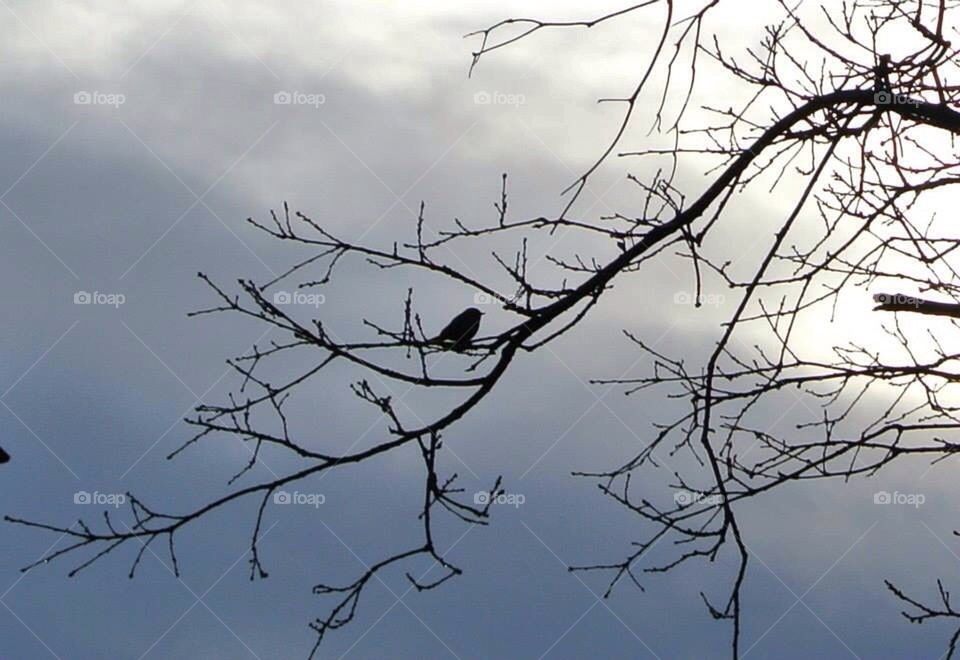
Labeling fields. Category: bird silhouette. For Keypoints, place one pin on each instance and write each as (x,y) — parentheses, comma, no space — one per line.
(460,331)
(4,456)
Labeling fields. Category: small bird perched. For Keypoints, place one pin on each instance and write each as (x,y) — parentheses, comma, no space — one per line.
(460,331)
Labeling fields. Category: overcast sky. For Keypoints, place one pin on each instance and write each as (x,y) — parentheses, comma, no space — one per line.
(137,138)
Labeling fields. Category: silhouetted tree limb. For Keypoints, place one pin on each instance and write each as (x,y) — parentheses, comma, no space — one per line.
(897,302)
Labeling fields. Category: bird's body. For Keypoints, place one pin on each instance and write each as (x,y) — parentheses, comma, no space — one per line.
(4,456)
(458,334)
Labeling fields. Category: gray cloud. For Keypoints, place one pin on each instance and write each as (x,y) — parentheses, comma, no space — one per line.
(108,209)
